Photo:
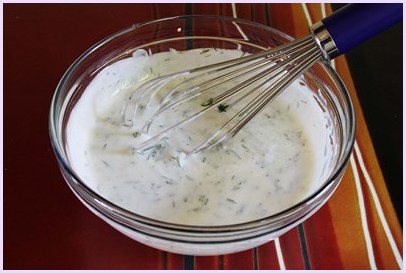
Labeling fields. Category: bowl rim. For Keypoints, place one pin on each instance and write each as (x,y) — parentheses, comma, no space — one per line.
(128,215)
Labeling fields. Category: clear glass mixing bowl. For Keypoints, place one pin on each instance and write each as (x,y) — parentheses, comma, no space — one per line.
(182,33)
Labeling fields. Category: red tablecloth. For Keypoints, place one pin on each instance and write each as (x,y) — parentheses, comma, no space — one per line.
(46,227)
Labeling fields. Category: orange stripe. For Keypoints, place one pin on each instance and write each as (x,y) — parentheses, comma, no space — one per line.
(383,253)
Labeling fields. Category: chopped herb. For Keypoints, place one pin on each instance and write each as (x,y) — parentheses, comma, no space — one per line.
(203,199)
(208,102)
(167,59)
(188,177)
(243,54)
(136,134)
(104,146)
(233,152)
(237,187)
(105,163)
(223,107)
(240,211)
(204,159)
(204,51)
(231,200)
(245,147)
(214,49)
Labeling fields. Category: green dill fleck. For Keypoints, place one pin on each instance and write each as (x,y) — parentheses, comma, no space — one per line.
(136,134)
(215,49)
(105,163)
(189,178)
(203,199)
(104,146)
(223,107)
(166,59)
(243,54)
(204,51)
(204,159)
(185,199)
(237,187)
(231,200)
(208,102)
(240,210)
(233,152)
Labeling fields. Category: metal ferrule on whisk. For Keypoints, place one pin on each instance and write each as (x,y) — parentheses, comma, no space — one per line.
(324,41)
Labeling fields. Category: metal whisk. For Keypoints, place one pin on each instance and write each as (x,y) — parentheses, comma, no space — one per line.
(243,87)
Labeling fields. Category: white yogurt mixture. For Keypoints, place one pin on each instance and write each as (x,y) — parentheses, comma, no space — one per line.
(272,163)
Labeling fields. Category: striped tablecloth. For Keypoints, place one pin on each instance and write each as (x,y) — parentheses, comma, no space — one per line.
(356,229)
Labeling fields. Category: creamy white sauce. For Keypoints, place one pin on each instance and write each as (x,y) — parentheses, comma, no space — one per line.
(273,163)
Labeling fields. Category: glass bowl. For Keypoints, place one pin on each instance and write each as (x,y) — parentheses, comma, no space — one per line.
(190,32)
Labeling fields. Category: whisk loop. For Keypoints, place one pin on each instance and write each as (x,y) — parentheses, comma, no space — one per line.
(231,92)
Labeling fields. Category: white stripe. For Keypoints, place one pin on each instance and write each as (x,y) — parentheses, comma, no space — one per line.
(363,215)
(245,38)
(378,206)
(323,10)
(307,14)
(234,9)
(279,254)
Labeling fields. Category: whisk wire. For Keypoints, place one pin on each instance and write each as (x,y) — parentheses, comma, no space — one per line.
(240,119)
(277,67)
(269,74)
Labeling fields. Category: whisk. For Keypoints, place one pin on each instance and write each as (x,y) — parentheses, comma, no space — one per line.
(242,87)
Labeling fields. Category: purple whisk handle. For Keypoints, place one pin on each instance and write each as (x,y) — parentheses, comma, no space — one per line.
(355,23)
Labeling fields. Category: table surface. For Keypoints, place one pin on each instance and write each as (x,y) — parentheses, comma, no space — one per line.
(46,227)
